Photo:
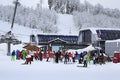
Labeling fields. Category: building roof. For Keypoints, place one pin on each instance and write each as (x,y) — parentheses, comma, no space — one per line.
(55,34)
(93,29)
(109,41)
(58,40)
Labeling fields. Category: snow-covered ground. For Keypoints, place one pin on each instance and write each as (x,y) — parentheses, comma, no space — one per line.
(14,70)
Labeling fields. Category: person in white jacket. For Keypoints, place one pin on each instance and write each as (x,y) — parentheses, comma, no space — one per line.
(32,54)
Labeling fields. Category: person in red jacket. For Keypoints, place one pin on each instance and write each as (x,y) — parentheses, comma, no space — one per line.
(36,55)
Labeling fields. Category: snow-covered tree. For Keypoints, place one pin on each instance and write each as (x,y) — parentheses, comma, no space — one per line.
(85,19)
(28,17)
(64,6)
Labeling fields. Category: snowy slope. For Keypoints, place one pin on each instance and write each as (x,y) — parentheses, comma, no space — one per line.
(20,32)
(66,25)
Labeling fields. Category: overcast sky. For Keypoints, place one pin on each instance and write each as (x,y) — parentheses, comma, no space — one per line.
(32,3)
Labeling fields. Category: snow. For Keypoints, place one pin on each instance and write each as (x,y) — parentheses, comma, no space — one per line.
(109,41)
(17,30)
(93,29)
(20,32)
(66,25)
(87,49)
(14,70)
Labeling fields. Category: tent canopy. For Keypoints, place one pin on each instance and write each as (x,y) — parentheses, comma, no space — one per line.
(31,47)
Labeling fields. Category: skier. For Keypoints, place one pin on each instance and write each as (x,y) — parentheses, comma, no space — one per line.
(32,54)
(47,56)
(23,54)
(36,55)
(88,57)
(28,59)
(13,55)
(18,55)
(73,58)
(40,55)
(56,57)
(85,61)
(66,58)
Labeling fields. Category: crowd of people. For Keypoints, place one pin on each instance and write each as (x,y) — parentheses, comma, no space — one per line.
(59,57)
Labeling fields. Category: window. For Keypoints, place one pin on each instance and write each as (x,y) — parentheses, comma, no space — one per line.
(86,36)
(108,34)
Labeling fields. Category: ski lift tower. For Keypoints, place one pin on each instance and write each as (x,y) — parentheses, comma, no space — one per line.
(9,37)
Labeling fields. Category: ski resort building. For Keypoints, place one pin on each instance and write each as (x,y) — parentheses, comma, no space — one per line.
(54,42)
(98,36)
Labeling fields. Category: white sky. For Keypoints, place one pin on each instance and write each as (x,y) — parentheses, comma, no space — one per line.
(32,3)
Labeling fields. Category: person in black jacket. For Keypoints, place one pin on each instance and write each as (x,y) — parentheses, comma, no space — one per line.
(40,56)
(66,58)
(56,57)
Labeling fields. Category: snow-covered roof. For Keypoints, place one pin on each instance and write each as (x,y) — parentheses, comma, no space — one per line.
(57,39)
(93,29)
(89,48)
(57,34)
(109,41)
